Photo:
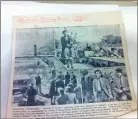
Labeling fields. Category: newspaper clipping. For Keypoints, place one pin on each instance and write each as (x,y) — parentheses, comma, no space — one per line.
(70,66)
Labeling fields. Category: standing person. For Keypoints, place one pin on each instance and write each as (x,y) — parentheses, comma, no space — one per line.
(101,88)
(88,89)
(88,48)
(67,79)
(83,87)
(71,85)
(75,51)
(61,75)
(117,92)
(53,71)
(114,85)
(38,83)
(73,78)
(71,55)
(52,90)
(124,86)
(31,93)
(75,46)
(51,63)
(77,91)
(62,99)
(59,83)
(64,41)
(72,51)
(68,56)
(75,38)
(71,37)
(72,96)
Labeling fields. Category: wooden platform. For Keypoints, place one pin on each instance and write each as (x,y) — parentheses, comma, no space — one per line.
(119,60)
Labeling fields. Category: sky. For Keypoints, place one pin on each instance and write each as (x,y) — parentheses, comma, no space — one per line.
(27,38)
(89,33)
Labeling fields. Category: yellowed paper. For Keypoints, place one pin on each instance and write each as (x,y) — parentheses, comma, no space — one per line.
(70,66)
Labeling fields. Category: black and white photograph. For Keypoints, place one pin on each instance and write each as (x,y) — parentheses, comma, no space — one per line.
(32,79)
(89,46)
(44,81)
(34,41)
(105,85)
(60,66)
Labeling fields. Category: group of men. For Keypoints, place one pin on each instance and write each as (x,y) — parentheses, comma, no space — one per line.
(73,51)
(64,89)
(102,89)
(100,51)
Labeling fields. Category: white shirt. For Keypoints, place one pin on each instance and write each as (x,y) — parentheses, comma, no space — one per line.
(98,85)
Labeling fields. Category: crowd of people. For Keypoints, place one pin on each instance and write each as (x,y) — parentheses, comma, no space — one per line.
(74,51)
(109,86)
(97,50)
(109,46)
(64,89)
(94,87)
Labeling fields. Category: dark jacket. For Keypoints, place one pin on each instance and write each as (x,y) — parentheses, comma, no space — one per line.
(74,79)
(31,92)
(52,88)
(38,80)
(59,84)
(64,42)
(67,79)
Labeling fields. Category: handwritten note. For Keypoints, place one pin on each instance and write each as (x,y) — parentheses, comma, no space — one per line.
(25,19)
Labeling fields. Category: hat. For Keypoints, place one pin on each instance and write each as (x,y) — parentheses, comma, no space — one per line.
(98,71)
(64,31)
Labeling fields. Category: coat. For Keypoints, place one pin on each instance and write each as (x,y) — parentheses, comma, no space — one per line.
(52,88)
(105,87)
(117,87)
(67,79)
